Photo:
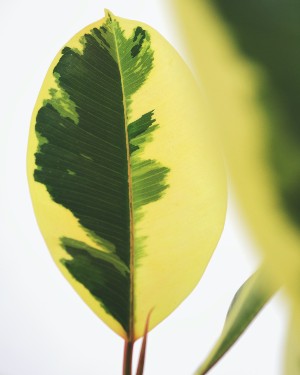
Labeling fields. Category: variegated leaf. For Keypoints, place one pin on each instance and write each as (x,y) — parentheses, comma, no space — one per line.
(127,187)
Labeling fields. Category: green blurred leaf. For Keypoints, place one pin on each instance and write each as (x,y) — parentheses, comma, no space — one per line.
(292,361)
(246,304)
(247,57)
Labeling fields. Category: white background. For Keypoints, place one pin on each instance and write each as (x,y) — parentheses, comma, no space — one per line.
(45,328)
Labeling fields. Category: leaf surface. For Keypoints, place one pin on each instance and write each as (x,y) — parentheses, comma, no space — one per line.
(127,187)
(246,304)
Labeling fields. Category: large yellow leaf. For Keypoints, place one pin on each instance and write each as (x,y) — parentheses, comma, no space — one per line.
(127,187)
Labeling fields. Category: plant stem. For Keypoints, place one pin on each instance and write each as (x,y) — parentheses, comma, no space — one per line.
(127,359)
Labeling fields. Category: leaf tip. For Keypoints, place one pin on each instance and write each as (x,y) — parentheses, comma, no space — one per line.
(108,14)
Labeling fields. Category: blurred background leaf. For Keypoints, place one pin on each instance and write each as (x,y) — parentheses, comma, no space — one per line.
(246,304)
(246,56)
(292,363)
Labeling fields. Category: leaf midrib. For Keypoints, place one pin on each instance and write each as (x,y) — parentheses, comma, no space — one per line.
(131,249)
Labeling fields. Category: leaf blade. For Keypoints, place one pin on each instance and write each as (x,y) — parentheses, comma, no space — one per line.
(246,304)
(101,166)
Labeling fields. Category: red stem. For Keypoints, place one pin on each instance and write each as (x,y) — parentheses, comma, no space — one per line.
(127,359)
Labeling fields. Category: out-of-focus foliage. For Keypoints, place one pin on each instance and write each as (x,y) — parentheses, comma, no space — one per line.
(253,99)
(292,365)
(246,304)
(246,55)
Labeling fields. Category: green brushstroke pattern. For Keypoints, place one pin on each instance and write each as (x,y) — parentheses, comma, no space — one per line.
(148,176)
(82,157)
(268,32)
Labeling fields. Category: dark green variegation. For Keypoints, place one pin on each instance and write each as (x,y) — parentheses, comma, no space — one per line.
(90,160)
